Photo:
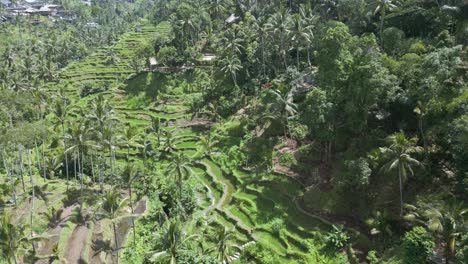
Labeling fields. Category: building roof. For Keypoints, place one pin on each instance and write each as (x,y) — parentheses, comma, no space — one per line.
(231,19)
(208,57)
(153,61)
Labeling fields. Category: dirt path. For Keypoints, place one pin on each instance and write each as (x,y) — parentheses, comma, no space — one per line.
(76,245)
(46,248)
(98,243)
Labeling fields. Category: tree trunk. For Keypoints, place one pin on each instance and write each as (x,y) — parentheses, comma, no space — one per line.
(21,169)
(131,208)
(65,153)
(11,178)
(80,175)
(74,169)
(116,242)
(43,159)
(39,167)
(92,168)
(32,199)
(449,249)
(401,190)
(101,175)
(382,18)
(14,256)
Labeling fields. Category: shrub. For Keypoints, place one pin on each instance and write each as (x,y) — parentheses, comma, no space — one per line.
(461,254)
(170,56)
(417,245)
(337,238)
(356,175)
(277,225)
(372,257)
(287,159)
(417,48)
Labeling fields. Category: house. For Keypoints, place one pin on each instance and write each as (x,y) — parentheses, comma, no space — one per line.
(207,58)
(231,19)
(153,63)
(6,3)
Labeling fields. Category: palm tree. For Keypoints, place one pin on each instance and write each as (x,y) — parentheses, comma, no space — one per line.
(224,245)
(278,27)
(80,142)
(301,34)
(382,7)
(399,158)
(282,108)
(102,112)
(130,138)
(60,111)
(231,65)
(109,141)
(129,175)
(113,206)
(170,141)
(13,238)
(207,143)
(233,43)
(52,165)
(155,128)
(448,221)
(172,239)
(180,169)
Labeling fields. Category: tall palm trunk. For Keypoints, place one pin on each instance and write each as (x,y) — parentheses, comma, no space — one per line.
(92,168)
(116,242)
(131,208)
(101,174)
(449,248)
(65,153)
(32,199)
(39,166)
(382,18)
(43,160)
(13,189)
(21,169)
(400,168)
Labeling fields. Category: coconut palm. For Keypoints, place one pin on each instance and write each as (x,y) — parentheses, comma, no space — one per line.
(233,43)
(399,158)
(102,113)
(207,143)
(382,7)
(231,65)
(170,141)
(446,221)
(109,141)
(60,111)
(301,34)
(282,108)
(80,138)
(224,245)
(13,239)
(172,239)
(155,128)
(129,175)
(130,139)
(180,169)
(277,26)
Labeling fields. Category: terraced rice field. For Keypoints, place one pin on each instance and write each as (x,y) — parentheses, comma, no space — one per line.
(231,200)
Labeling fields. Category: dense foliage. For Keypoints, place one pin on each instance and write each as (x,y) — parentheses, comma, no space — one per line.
(260,132)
